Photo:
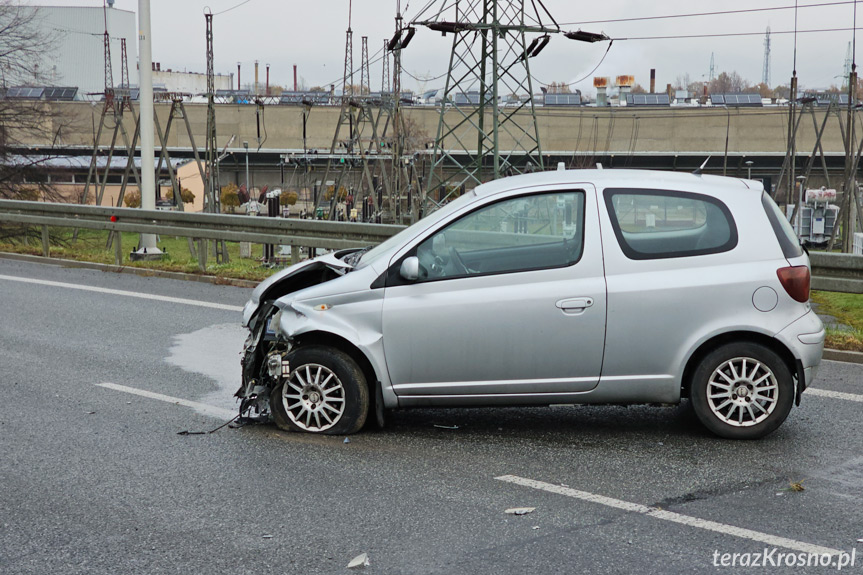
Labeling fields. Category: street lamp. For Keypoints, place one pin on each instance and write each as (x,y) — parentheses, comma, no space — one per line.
(749,169)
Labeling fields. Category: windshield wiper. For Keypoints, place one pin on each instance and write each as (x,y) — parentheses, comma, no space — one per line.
(353,259)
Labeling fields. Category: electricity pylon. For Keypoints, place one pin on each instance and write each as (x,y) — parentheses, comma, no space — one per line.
(488,127)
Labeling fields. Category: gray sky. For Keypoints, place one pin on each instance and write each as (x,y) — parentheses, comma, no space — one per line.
(311,34)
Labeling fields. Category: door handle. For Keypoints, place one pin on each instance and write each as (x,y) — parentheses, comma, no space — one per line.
(574,305)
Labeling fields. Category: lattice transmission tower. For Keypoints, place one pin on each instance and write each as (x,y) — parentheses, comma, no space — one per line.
(487,126)
(765,72)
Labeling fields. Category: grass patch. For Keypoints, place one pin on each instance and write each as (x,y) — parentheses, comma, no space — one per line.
(91,246)
(847,308)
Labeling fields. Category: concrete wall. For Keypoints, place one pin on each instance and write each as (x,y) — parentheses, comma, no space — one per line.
(618,131)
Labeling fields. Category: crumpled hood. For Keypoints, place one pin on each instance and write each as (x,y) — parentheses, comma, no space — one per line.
(328,260)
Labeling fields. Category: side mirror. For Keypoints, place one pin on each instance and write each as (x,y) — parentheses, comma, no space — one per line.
(410,269)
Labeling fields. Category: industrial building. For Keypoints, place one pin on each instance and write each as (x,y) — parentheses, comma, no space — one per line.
(78,57)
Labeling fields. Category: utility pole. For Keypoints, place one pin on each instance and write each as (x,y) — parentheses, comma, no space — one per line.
(147,247)
(212,201)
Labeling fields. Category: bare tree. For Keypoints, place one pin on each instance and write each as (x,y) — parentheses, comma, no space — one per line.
(559,88)
(726,82)
(24,43)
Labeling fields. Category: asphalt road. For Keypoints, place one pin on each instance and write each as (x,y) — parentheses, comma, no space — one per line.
(96,480)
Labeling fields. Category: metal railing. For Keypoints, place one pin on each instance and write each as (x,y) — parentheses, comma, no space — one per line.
(234,228)
(830,272)
(837,272)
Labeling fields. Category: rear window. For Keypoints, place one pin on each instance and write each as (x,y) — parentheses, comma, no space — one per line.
(788,241)
(656,224)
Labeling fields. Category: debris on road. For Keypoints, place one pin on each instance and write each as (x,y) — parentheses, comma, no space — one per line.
(520,510)
(267,536)
(446,426)
(359,561)
(347,440)
(535,527)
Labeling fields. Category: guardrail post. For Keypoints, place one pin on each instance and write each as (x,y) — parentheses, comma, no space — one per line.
(118,248)
(295,254)
(202,254)
(46,244)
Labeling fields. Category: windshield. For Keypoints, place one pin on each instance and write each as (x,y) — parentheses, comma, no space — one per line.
(370,256)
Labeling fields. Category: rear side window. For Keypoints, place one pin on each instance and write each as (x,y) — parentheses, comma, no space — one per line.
(657,224)
(788,241)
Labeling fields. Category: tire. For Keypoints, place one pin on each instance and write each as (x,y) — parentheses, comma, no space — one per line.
(326,392)
(742,391)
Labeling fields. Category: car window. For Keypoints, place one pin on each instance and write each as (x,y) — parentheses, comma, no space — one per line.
(517,234)
(788,241)
(653,224)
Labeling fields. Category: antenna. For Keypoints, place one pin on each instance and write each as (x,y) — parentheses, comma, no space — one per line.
(712,75)
(765,73)
(700,168)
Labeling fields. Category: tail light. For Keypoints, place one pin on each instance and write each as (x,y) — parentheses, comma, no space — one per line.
(795,280)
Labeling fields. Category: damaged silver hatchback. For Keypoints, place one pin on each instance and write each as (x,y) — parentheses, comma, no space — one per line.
(598,286)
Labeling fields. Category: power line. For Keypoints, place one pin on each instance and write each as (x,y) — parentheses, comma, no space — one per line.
(232,7)
(717,13)
(730,34)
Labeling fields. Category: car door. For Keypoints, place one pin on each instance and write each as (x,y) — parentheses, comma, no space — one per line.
(510,301)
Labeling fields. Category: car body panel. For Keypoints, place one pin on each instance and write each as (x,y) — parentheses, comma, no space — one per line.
(438,334)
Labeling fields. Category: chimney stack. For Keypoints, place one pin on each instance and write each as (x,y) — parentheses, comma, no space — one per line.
(653,80)
(295,77)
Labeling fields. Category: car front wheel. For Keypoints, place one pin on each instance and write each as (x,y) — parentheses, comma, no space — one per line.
(325,392)
(742,391)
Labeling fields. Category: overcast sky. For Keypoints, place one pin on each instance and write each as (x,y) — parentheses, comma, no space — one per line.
(311,34)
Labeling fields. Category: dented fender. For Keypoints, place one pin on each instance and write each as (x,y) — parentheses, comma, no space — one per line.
(346,308)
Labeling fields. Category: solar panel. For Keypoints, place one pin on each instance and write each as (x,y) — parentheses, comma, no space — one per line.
(25,92)
(562,100)
(300,97)
(736,100)
(58,93)
(647,99)
(824,98)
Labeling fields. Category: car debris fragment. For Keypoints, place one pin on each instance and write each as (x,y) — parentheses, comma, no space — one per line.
(520,510)
(359,561)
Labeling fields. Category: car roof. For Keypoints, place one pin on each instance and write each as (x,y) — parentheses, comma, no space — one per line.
(609,178)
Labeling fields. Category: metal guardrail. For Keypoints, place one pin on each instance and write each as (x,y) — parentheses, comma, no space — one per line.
(234,228)
(837,272)
(830,272)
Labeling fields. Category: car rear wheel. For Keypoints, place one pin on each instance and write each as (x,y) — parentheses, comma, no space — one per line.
(742,391)
(325,392)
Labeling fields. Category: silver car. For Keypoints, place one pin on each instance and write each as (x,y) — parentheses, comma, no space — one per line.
(593,286)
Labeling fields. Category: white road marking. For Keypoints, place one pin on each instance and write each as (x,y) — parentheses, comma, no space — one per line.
(657,513)
(202,408)
(140,295)
(833,394)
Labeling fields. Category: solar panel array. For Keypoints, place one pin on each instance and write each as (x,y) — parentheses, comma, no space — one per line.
(562,100)
(25,92)
(648,99)
(65,94)
(824,98)
(736,100)
(300,97)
